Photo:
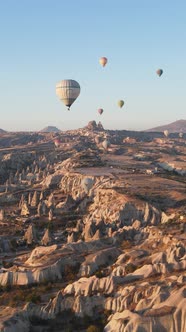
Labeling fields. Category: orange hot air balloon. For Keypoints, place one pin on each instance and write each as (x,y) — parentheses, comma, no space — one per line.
(103,61)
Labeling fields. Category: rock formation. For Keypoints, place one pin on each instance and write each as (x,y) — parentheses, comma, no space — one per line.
(31,235)
(115,252)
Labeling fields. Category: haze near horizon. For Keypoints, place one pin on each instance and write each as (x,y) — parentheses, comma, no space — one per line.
(45,42)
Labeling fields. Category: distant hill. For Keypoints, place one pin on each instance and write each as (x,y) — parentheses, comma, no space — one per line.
(50,129)
(2,131)
(174,127)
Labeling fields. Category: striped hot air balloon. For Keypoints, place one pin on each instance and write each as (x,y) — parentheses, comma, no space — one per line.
(68,91)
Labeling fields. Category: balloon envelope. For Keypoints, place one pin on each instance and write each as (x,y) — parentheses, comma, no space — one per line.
(68,91)
(120,103)
(180,134)
(159,72)
(100,111)
(103,61)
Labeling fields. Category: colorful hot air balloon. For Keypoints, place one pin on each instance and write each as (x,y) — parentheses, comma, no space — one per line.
(100,111)
(120,103)
(68,91)
(159,72)
(103,61)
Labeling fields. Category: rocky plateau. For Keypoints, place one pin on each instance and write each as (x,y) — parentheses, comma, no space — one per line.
(106,256)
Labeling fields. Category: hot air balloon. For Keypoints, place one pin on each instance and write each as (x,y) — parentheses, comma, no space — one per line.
(100,111)
(180,135)
(106,144)
(159,72)
(120,103)
(68,91)
(166,133)
(103,61)
(87,184)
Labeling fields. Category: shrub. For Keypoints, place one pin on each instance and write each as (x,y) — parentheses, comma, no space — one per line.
(7,264)
(70,272)
(104,316)
(48,286)
(34,298)
(129,268)
(126,244)
(93,328)
(99,274)
(50,226)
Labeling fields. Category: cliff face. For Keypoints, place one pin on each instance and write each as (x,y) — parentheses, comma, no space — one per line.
(156,307)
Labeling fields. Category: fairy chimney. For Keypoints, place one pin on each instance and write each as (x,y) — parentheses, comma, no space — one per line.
(44,208)
(31,235)
(22,201)
(2,214)
(35,199)
(39,209)
(41,197)
(50,215)
(25,209)
(47,238)
(51,200)
(72,237)
(29,198)
(36,169)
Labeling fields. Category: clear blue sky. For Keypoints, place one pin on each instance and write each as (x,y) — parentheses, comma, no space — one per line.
(45,41)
